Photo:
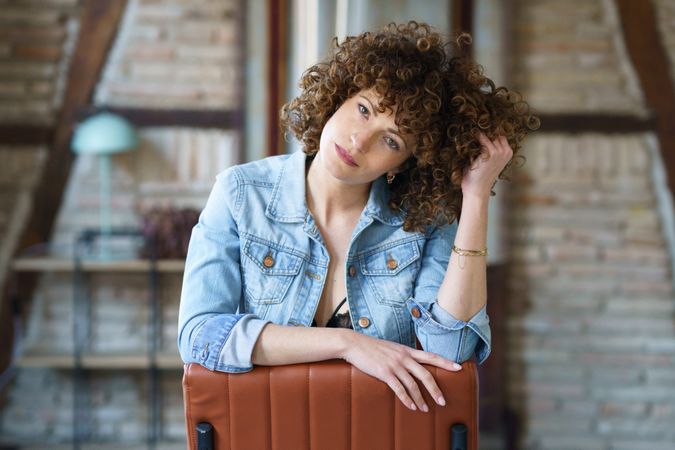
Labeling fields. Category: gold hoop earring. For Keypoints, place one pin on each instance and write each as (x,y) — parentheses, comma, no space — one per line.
(390,178)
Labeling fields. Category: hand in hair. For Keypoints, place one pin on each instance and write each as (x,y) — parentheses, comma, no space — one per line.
(481,176)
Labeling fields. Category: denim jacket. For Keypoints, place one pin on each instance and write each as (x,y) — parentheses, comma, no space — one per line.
(256,256)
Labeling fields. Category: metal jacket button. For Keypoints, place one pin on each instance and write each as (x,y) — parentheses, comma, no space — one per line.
(352,271)
(364,322)
(415,312)
(392,264)
(268,261)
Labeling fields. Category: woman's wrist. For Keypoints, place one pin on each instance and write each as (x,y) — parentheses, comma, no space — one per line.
(343,342)
(476,195)
(472,229)
(475,204)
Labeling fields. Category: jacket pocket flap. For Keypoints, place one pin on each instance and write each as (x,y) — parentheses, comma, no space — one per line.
(389,260)
(272,259)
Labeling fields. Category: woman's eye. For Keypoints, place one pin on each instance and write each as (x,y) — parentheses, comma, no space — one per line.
(362,109)
(391,143)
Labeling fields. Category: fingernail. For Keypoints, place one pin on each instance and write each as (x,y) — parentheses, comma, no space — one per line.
(457,366)
(441,401)
(413,407)
(425,408)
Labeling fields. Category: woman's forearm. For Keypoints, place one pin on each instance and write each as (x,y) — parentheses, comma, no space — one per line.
(277,344)
(464,289)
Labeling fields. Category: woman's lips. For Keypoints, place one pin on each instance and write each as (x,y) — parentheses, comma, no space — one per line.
(342,153)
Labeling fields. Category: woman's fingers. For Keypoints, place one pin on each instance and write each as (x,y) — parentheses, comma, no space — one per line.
(502,147)
(435,360)
(429,382)
(499,145)
(488,148)
(413,389)
(400,368)
(494,156)
(400,391)
(414,368)
(484,140)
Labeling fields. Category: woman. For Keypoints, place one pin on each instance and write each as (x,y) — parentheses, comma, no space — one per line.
(351,248)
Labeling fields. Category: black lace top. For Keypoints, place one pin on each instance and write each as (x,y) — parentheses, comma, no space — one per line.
(342,320)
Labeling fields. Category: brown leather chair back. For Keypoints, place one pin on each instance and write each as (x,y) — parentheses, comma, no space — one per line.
(326,405)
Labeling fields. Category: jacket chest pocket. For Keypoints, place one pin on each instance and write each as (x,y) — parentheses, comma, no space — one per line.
(390,271)
(267,271)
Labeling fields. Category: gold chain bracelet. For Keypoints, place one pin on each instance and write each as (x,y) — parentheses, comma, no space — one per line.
(464,252)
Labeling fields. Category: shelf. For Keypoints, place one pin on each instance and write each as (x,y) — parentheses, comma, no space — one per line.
(50,264)
(99,361)
(93,445)
(52,361)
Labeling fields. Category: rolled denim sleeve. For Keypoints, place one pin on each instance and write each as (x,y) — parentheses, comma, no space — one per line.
(437,330)
(212,331)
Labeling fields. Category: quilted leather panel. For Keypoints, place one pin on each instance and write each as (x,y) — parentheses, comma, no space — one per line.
(327,405)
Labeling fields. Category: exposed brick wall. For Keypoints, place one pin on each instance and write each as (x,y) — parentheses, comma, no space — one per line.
(169,54)
(665,13)
(172,54)
(41,405)
(163,171)
(36,40)
(569,57)
(591,345)
(591,334)
(172,167)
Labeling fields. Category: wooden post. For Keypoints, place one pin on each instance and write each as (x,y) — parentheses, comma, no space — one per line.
(646,51)
(276,75)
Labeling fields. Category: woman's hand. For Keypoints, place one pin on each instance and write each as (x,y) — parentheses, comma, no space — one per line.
(479,179)
(398,366)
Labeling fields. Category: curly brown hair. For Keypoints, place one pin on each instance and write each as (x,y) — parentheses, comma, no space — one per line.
(442,101)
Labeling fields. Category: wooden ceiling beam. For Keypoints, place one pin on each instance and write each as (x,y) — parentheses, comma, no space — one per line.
(595,123)
(646,51)
(198,118)
(25,135)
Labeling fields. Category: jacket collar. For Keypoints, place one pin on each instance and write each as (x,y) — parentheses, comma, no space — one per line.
(289,201)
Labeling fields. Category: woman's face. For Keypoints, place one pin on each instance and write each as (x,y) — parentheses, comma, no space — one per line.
(358,144)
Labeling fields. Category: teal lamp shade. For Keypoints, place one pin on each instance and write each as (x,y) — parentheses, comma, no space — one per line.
(103,135)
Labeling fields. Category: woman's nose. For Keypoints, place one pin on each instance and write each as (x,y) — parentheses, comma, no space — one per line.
(359,141)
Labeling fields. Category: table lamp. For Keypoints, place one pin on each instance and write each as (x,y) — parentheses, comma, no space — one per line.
(104,134)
